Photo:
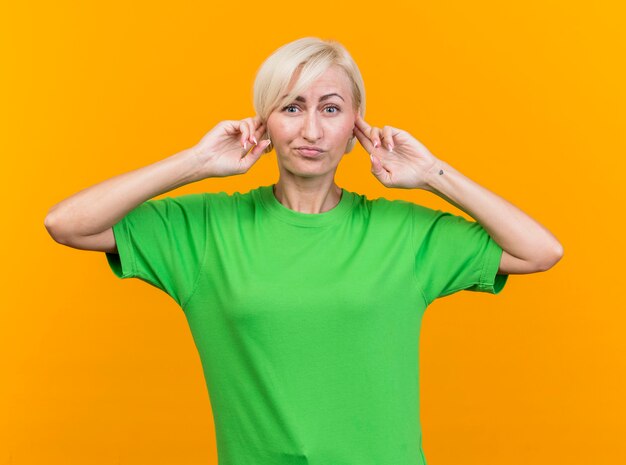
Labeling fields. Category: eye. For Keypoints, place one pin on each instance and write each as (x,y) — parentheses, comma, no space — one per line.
(288,106)
(336,108)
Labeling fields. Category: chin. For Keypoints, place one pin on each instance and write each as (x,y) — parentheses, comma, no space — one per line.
(304,168)
(304,171)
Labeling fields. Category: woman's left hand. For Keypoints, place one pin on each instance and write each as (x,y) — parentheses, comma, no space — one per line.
(408,162)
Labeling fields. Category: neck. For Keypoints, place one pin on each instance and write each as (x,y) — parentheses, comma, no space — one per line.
(308,198)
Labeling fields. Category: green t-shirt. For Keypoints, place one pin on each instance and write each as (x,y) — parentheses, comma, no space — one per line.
(307,325)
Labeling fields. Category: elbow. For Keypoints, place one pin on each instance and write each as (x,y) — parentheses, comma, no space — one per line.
(52,226)
(47,222)
(49,225)
(552,258)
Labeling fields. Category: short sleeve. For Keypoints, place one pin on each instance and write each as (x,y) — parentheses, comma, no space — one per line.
(163,243)
(454,254)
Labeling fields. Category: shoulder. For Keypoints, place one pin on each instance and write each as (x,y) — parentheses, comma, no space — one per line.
(227,207)
(195,204)
(168,206)
(211,199)
(401,213)
(385,206)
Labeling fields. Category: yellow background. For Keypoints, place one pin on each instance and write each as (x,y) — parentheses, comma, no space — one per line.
(526,98)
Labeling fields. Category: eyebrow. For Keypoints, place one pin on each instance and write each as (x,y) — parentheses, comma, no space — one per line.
(300,98)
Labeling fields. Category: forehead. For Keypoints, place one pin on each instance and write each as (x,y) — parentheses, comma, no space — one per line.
(334,79)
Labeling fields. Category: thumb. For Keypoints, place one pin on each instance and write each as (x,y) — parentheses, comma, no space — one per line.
(377,167)
(254,154)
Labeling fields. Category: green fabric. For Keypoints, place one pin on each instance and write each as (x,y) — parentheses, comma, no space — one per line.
(307,325)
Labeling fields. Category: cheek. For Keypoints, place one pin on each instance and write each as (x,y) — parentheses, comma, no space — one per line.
(347,123)
(282,130)
(345,130)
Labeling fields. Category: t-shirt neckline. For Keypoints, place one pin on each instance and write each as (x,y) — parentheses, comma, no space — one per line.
(277,209)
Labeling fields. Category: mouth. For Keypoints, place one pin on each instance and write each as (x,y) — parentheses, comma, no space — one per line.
(309,153)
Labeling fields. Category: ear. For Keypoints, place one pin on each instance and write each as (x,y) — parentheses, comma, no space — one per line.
(350,145)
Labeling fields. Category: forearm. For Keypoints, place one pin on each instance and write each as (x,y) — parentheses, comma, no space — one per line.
(99,207)
(515,231)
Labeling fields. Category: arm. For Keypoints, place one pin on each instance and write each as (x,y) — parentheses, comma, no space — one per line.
(405,162)
(527,245)
(85,219)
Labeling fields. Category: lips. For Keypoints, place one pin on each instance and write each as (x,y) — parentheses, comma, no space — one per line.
(309,152)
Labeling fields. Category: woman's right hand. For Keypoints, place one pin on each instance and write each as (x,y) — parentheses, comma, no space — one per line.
(225,150)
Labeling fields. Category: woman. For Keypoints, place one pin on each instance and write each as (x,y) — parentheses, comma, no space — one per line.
(305,299)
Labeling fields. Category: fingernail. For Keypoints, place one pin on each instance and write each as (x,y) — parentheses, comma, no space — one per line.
(245,145)
(390,147)
(255,141)
(375,144)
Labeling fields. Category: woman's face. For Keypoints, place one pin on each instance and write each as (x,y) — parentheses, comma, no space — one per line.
(323,117)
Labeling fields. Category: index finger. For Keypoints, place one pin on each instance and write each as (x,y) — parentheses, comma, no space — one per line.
(258,128)
(361,123)
(364,140)
(257,121)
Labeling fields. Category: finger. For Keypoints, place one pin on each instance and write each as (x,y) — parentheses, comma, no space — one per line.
(260,130)
(254,154)
(243,128)
(363,139)
(375,137)
(367,130)
(388,137)
(360,122)
(231,127)
(255,123)
(377,166)
(250,139)
(378,170)
(261,146)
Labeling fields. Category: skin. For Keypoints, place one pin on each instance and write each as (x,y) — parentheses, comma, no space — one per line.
(307,185)
(527,246)
(398,160)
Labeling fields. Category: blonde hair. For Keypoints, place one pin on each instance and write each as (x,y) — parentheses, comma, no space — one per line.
(310,56)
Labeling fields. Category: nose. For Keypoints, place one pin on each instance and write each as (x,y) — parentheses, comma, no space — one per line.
(312,129)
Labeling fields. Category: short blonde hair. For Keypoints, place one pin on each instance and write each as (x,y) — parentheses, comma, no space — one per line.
(312,56)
